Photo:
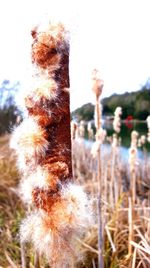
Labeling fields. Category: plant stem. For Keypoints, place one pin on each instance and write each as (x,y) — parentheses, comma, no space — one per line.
(130,220)
(23,257)
(99,207)
(36,260)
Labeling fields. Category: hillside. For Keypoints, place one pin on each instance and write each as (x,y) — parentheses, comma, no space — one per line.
(136,104)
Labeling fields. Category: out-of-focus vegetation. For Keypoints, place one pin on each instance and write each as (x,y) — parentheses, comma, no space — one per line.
(136,104)
(11,208)
(8,109)
(126,226)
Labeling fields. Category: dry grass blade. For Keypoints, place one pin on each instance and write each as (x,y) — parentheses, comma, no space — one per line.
(142,259)
(110,239)
(36,260)
(12,264)
(23,255)
(146,250)
(93,263)
(134,259)
(143,240)
(87,246)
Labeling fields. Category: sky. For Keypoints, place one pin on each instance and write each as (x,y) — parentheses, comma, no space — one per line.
(110,35)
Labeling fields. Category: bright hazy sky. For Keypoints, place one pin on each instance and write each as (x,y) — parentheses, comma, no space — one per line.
(110,35)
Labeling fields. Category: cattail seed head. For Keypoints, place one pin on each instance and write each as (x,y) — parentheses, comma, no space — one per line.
(97,83)
(90,131)
(81,129)
(73,130)
(43,92)
(134,137)
(148,125)
(29,141)
(143,139)
(43,145)
(117,120)
(70,213)
(133,150)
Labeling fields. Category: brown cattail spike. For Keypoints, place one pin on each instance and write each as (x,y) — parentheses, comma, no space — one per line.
(50,51)
(97,83)
(43,145)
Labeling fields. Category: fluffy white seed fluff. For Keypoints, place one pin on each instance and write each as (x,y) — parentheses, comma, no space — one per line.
(54,245)
(29,142)
(77,205)
(56,234)
(56,36)
(39,88)
(34,180)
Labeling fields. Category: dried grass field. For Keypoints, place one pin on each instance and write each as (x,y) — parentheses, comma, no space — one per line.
(126,222)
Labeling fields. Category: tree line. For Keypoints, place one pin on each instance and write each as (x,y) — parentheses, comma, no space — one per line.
(8,108)
(134,104)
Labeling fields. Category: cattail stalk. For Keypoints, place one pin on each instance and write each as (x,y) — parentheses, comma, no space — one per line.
(23,255)
(132,198)
(36,260)
(97,88)
(82,129)
(130,221)
(100,221)
(90,131)
(43,144)
(132,162)
(117,128)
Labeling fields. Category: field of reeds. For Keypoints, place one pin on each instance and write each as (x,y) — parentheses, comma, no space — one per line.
(125,221)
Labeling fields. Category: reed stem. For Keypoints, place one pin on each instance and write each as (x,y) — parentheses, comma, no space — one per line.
(130,219)
(36,260)
(23,256)
(99,207)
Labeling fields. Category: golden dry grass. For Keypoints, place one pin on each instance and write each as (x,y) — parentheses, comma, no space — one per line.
(11,209)
(116,216)
(125,225)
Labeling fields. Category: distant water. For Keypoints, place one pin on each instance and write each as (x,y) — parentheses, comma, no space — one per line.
(125,134)
(126,129)
(124,151)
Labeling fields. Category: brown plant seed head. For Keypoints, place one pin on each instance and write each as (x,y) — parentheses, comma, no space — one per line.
(97,83)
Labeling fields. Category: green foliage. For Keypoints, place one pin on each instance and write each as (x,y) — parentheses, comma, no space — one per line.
(8,109)
(136,104)
(86,112)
